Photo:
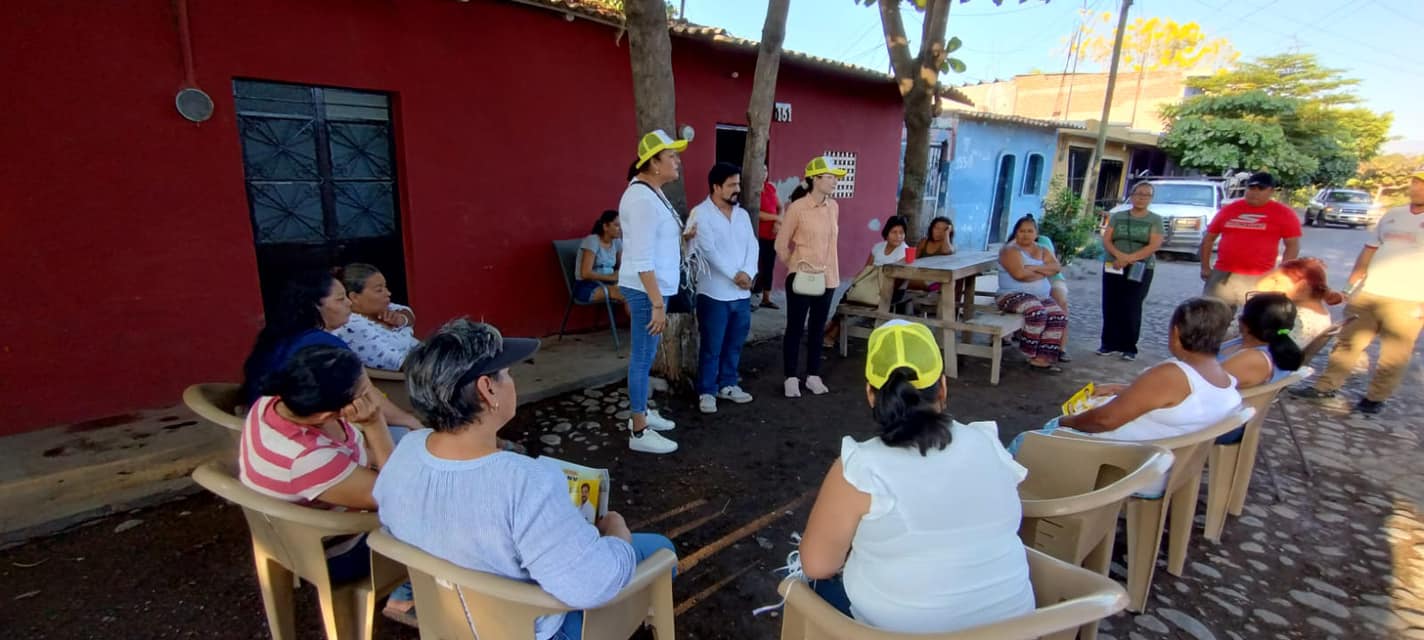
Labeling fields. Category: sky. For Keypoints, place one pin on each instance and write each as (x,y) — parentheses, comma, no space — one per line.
(1368,39)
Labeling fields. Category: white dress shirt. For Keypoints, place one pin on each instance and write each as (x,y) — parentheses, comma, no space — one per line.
(727,246)
(652,240)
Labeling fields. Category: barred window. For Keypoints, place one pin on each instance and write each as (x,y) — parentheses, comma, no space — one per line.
(845,188)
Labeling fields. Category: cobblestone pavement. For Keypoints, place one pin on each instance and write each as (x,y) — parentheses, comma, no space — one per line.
(1342,554)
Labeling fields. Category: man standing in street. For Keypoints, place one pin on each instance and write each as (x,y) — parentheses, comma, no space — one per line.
(1390,304)
(768,219)
(728,246)
(1250,229)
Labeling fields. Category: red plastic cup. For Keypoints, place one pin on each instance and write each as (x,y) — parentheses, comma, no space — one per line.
(909,255)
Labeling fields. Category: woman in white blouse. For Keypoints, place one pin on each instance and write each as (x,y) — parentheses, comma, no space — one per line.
(921,522)
(381,332)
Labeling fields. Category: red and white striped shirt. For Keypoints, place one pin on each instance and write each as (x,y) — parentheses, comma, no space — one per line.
(293,462)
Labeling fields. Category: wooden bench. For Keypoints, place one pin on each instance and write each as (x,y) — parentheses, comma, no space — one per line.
(987,321)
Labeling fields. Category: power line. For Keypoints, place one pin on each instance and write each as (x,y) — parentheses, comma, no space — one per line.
(1381,60)
(1402,14)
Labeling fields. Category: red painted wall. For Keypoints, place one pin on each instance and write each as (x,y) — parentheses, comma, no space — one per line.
(126,239)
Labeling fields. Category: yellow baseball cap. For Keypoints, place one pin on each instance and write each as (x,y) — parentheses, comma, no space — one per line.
(821,164)
(897,344)
(1418,175)
(654,142)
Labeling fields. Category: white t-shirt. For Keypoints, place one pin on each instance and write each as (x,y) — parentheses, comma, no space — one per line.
(728,245)
(378,346)
(1309,324)
(1399,237)
(1206,404)
(652,240)
(939,549)
(877,253)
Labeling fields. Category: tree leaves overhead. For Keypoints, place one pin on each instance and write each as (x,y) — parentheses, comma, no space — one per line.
(1285,114)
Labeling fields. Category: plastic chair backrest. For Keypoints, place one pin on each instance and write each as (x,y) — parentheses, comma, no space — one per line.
(1317,344)
(217,402)
(291,534)
(568,252)
(1067,597)
(1260,397)
(1190,449)
(455,601)
(1075,489)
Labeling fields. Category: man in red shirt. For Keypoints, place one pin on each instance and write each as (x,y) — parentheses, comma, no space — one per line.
(768,219)
(1251,230)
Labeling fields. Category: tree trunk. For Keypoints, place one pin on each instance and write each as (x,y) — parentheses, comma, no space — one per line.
(655,105)
(654,96)
(918,80)
(759,109)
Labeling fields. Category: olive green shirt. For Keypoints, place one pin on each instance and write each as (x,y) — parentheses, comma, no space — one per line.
(1131,234)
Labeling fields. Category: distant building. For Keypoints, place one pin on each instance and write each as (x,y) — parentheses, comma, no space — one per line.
(1137,99)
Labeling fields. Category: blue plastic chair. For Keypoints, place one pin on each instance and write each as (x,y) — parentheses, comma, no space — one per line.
(568,254)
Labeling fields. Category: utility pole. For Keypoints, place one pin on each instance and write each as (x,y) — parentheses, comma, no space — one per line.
(1090,181)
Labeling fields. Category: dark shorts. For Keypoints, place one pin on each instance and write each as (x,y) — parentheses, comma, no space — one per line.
(583,290)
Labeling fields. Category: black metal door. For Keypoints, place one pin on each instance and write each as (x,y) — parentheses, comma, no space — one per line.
(321,186)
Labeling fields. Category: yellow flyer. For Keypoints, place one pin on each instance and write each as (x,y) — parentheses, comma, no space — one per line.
(1079,402)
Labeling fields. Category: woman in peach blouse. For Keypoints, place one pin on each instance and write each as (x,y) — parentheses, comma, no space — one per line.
(806,243)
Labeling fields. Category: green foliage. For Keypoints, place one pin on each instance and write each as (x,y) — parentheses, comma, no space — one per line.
(1285,114)
(1065,223)
(1387,176)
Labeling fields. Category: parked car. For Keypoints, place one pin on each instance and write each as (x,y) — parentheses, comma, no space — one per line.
(1186,207)
(1349,207)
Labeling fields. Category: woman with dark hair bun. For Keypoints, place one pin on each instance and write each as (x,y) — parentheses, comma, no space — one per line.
(1303,281)
(1265,352)
(916,530)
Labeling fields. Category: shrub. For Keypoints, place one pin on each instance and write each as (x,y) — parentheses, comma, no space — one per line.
(1064,222)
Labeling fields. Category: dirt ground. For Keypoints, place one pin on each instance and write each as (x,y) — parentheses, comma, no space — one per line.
(185,570)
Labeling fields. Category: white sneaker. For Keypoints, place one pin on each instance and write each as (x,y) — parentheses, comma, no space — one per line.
(793,388)
(707,403)
(815,385)
(657,422)
(649,441)
(735,394)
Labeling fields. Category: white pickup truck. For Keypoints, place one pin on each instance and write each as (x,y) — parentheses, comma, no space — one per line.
(1186,207)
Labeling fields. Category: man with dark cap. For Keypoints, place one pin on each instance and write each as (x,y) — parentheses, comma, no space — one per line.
(1251,229)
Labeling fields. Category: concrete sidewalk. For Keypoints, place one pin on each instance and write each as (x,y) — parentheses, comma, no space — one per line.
(59,477)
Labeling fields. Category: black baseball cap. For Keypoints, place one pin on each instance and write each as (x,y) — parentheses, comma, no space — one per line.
(511,352)
(1261,179)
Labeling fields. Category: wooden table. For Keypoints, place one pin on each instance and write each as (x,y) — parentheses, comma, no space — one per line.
(953,309)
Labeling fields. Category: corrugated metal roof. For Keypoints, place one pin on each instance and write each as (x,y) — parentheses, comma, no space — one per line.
(718,35)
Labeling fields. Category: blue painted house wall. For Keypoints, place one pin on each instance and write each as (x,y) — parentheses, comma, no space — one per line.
(977,149)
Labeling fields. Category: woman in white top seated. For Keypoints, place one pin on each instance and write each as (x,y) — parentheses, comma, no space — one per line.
(928,511)
(892,248)
(1187,392)
(381,332)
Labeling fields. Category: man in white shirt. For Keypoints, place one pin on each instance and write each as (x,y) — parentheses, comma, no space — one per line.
(1389,304)
(727,245)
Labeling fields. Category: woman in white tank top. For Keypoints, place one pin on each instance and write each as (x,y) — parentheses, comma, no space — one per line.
(1187,392)
(922,521)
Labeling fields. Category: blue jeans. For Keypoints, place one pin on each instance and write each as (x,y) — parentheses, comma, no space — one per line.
(644,347)
(724,326)
(644,546)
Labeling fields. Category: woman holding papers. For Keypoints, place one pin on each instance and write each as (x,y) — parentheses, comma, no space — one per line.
(451,491)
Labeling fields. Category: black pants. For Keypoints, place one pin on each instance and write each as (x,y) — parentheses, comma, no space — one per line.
(800,309)
(766,265)
(1122,311)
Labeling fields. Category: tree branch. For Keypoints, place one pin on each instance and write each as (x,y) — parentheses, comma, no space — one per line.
(897,44)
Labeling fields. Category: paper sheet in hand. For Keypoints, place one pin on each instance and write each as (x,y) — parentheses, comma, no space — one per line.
(1079,402)
(583,480)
